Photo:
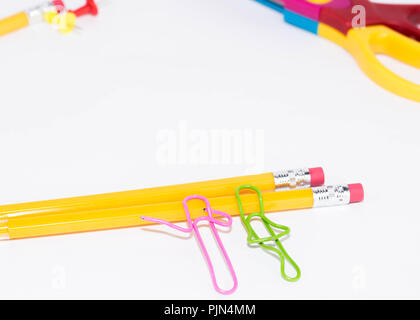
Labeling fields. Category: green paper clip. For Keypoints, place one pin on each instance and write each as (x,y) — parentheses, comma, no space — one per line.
(253,238)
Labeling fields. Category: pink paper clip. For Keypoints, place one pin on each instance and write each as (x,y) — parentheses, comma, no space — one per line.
(193,226)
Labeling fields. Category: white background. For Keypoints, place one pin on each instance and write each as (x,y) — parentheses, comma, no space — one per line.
(81,114)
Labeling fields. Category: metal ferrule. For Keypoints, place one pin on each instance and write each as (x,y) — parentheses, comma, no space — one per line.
(36,14)
(326,196)
(298,178)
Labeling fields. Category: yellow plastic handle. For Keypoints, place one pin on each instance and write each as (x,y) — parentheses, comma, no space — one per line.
(13,23)
(365,43)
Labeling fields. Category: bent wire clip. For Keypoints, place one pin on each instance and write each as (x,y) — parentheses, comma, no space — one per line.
(193,226)
(253,237)
(53,12)
(364,29)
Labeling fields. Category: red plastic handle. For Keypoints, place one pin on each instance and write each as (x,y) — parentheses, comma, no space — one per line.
(404,19)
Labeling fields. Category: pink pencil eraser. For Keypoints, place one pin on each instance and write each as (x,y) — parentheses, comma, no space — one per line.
(317,177)
(357,194)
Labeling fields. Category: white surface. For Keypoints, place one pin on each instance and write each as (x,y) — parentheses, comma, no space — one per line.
(83,114)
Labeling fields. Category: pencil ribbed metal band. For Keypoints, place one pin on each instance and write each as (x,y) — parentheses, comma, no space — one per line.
(331,195)
(292,178)
(36,14)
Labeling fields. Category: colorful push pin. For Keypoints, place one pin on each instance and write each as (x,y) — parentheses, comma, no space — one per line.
(89,8)
(65,22)
(59,5)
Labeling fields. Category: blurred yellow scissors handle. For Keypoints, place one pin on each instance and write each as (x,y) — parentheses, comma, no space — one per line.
(365,43)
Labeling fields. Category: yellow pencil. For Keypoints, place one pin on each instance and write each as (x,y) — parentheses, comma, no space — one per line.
(210,189)
(19,227)
(13,23)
